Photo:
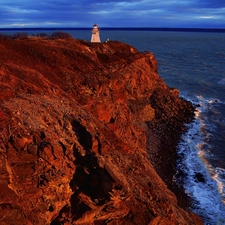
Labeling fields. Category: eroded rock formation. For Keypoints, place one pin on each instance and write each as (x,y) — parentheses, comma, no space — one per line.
(81,125)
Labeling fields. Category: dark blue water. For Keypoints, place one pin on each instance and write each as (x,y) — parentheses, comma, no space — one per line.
(194,63)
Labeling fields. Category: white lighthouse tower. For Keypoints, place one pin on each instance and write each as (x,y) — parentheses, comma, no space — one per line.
(95,34)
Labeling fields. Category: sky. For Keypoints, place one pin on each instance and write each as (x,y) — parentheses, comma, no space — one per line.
(112,13)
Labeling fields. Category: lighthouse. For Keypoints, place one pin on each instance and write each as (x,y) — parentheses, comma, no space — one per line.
(95,34)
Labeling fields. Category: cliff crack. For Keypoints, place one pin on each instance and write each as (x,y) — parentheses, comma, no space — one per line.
(91,185)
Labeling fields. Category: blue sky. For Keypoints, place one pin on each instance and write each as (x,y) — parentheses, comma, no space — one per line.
(112,13)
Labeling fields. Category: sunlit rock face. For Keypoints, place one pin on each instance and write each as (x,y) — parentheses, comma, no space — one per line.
(78,123)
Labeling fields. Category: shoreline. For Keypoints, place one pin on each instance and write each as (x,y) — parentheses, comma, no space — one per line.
(164,161)
(163,136)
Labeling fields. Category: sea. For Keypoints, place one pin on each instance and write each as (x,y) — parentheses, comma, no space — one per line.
(193,61)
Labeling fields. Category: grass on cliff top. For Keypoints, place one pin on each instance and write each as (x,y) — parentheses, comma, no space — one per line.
(24,35)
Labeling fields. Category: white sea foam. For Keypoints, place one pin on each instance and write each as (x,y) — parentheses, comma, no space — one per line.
(222,81)
(205,184)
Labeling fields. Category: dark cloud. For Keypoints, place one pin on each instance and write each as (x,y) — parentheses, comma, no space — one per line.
(152,13)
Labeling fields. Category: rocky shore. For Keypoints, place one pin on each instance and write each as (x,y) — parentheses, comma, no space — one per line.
(88,135)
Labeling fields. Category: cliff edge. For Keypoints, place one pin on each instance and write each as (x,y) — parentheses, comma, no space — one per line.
(83,131)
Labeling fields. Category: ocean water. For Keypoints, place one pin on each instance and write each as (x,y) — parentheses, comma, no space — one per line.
(194,63)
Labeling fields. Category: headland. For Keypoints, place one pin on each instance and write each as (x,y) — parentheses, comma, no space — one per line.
(88,135)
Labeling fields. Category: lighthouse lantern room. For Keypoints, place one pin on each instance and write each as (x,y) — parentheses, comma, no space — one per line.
(95,37)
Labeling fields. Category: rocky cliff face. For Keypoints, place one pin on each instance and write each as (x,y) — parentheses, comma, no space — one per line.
(81,127)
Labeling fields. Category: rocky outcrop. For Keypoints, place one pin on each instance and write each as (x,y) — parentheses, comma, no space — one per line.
(82,126)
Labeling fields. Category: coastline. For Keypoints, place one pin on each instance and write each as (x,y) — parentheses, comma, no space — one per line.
(164,161)
(163,137)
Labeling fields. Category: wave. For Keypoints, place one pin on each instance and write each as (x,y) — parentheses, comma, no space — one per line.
(204,183)
(222,81)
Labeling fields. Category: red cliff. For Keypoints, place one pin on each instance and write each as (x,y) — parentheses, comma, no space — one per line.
(81,127)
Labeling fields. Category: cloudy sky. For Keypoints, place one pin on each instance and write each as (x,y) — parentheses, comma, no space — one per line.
(112,13)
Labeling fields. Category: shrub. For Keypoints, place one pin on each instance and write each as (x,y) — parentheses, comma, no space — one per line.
(5,37)
(61,35)
(20,35)
(41,35)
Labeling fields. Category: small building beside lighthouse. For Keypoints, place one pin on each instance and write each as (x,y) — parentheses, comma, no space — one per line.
(95,37)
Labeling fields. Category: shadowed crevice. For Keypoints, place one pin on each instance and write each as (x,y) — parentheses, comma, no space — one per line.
(91,184)
(83,136)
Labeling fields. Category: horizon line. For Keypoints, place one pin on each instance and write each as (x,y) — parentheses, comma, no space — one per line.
(118,28)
